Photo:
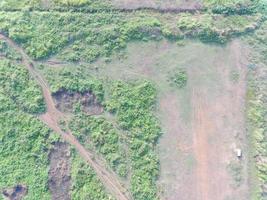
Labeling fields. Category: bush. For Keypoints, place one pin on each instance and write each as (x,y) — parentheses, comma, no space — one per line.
(179,78)
(85,184)
(104,137)
(20,87)
(133,103)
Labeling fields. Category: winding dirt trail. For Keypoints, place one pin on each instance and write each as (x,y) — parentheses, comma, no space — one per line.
(51,119)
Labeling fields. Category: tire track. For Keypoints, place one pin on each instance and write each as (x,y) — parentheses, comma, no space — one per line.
(51,118)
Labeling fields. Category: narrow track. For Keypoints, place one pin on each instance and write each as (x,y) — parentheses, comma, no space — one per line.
(112,10)
(51,119)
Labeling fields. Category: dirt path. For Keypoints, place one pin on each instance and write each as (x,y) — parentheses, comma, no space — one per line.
(161,5)
(53,116)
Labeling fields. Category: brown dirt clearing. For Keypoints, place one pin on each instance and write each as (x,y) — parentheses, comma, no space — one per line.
(59,173)
(66,100)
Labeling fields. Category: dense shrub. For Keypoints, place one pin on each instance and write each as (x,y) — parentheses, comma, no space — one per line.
(20,87)
(85,184)
(133,103)
(74,80)
(24,148)
(179,78)
(89,36)
(8,52)
(72,2)
(105,139)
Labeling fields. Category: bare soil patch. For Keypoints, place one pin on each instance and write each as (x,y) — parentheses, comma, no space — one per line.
(66,101)
(161,5)
(59,172)
(15,193)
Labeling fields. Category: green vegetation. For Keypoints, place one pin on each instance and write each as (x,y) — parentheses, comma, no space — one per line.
(72,2)
(24,148)
(85,184)
(89,36)
(257,128)
(20,87)
(232,7)
(74,80)
(21,4)
(104,138)
(216,28)
(179,78)
(24,140)
(8,52)
(257,112)
(132,103)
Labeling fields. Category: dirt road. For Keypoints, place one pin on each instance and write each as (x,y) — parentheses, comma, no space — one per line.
(53,116)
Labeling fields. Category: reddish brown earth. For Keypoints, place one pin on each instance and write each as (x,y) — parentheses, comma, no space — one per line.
(59,172)
(51,119)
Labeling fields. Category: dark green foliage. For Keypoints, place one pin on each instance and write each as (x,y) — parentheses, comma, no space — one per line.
(133,103)
(85,184)
(20,87)
(104,137)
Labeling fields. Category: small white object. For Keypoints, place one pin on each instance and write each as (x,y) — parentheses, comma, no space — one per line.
(238,153)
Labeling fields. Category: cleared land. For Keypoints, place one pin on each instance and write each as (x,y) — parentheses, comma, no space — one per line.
(203,122)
